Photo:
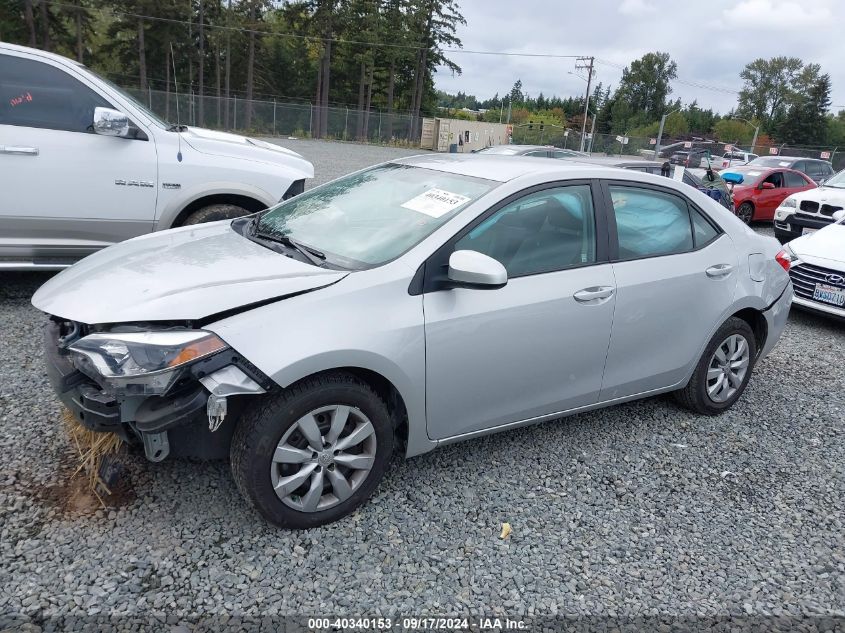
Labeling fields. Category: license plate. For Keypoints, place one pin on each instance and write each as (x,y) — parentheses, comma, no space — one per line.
(829,294)
(808,231)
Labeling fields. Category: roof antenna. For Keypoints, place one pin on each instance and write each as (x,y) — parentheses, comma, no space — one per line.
(178,122)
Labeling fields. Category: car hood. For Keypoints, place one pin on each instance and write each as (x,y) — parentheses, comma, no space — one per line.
(235,145)
(187,273)
(825,195)
(827,243)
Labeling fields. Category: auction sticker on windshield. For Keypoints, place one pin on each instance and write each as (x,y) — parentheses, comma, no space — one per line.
(436,202)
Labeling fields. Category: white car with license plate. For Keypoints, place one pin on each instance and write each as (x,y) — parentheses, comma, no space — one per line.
(817,268)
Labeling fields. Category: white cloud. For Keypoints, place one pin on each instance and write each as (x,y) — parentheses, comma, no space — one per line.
(775,15)
(711,42)
(635,7)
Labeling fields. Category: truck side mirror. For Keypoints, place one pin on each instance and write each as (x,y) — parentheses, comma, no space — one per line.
(110,122)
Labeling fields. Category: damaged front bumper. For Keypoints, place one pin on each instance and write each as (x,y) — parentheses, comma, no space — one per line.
(184,421)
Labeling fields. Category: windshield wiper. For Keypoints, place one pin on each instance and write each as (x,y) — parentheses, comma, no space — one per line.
(311,254)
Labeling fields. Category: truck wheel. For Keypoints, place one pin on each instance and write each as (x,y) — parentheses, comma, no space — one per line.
(723,371)
(312,453)
(745,212)
(215,212)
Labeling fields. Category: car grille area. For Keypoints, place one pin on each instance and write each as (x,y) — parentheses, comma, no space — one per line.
(805,277)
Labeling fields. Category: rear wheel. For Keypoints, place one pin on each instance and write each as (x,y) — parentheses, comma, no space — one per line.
(723,371)
(314,452)
(215,212)
(745,212)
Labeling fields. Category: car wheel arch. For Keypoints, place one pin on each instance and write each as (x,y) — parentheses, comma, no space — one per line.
(409,421)
(252,205)
(757,322)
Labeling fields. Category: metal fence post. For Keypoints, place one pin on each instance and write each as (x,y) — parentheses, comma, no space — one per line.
(235,115)
(346,125)
(379,125)
(310,119)
(274,116)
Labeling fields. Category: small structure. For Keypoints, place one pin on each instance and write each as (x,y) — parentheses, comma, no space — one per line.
(444,135)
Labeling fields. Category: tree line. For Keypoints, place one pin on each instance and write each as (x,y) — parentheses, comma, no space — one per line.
(365,54)
(787,99)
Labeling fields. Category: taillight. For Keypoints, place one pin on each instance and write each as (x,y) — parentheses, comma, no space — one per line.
(784,259)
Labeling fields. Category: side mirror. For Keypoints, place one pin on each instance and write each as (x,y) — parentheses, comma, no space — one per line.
(110,122)
(838,216)
(767,185)
(471,269)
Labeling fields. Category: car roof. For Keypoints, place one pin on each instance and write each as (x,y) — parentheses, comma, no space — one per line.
(502,168)
(15,48)
(792,159)
(518,147)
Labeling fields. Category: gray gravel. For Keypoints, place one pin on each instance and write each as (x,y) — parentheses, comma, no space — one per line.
(640,509)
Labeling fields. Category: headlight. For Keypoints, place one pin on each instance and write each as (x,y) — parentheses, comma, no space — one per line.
(141,362)
(789,202)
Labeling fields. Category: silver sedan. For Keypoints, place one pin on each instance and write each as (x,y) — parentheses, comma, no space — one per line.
(416,303)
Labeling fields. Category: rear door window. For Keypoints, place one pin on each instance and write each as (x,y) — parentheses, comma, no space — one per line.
(794,180)
(650,222)
(35,94)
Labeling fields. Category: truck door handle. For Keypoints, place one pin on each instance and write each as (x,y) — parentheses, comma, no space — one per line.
(16,149)
(594,294)
(719,270)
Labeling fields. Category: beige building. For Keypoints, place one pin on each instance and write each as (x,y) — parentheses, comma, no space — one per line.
(438,134)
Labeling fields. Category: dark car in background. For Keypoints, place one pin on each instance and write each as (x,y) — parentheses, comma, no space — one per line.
(818,170)
(697,157)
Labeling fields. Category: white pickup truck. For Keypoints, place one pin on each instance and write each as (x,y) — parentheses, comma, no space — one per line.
(83,165)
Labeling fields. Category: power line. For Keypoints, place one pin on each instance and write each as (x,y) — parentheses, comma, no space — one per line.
(694,84)
(312,38)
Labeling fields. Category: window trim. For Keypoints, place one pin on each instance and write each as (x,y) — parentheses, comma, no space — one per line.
(613,235)
(430,277)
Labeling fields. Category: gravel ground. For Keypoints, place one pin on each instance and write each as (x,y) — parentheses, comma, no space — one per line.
(637,510)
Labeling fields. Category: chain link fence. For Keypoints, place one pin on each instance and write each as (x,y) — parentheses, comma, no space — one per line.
(276,118)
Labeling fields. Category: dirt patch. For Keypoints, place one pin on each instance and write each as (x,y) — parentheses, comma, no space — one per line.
(74,496)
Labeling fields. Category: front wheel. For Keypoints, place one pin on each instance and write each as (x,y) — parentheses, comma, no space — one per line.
(723,371)
(215,212)
(314,452)
(745,212)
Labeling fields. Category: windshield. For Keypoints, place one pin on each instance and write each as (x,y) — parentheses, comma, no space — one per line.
(371,217)
(149,113)
(837,181)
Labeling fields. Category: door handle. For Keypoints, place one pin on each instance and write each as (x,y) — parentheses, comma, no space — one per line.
(16,149)
(719,270)
(594,294)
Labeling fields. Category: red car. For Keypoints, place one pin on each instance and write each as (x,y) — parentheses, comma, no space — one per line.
(763,189)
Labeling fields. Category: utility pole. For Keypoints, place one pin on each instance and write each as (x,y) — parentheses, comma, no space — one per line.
(585,63)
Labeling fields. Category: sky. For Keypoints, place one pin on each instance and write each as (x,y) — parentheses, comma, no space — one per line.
(711,41)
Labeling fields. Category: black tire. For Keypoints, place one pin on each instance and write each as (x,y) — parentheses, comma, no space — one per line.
(745,212)
(262,426)
(215,212)
(694,396)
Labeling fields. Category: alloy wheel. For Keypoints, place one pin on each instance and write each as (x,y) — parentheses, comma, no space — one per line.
(323,458)
(728,367)
(745,213)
